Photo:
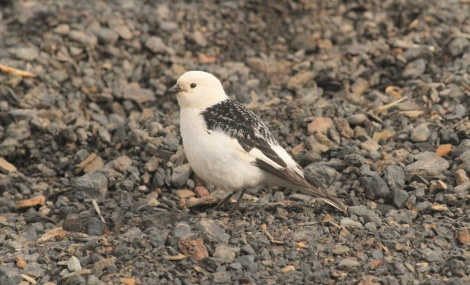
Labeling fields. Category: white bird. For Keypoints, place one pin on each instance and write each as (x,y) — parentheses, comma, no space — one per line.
(228,146)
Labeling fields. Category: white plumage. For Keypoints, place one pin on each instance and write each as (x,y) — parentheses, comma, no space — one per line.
(228,146)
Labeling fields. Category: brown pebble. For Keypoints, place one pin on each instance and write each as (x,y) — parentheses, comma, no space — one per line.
(193,247)
(443,149)
(319,125)
(20,262)
(201,191)
(6,167)
(461,176)
(35,201)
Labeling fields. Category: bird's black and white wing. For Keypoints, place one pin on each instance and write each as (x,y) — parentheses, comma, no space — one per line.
(235,120)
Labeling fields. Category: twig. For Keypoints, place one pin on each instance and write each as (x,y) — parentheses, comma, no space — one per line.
(388,106)
(7,69)
(97,209)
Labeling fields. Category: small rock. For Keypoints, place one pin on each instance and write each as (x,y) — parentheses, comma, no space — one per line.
(415,68)
(180,175)
(26,53)
(223,277)
(395,176)
(121,163)
(375,187)
(400,197)
(431,255)
(181,229)
(212,232)
(106,36)
(320,125)
(366,214)
(370,145)
(193,247)
(95,226)
(225,253)
(73,264)
(350,223)
(461,176)
(428,165)
(94,185)
(156,45)
(348,263)
(33,202)
(340,249)
(247,262)
(420,133)
(84,38)
(6,167)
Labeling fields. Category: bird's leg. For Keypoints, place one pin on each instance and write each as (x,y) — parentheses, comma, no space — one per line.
(225,201)
(240,197)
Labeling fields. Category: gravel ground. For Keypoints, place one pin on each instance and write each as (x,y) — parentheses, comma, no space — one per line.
(370,97)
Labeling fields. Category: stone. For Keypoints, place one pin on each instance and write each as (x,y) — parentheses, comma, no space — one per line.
(428,165)
(420,133)
(212,232)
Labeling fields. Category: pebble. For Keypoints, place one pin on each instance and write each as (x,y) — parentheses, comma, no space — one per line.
(375,187)
(212,232)
(93,185)
(180,175)
(25,53)
(106,36)
(428,165)
(414,68)
(420,133)
(73,264)
(156,45)
(348,263)
(351,224)
(366,214)
(83,38)
(225,253)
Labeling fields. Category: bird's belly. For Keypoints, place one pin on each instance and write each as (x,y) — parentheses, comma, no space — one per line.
(218,159)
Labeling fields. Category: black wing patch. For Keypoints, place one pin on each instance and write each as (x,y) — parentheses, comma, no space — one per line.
(242,124)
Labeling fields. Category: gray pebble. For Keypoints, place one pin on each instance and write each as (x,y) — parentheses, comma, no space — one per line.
(348,263)
(221,277)
(96,227)
(395,176)
(155,44)
(180,175)
(84,38)
(225,253)
(400,197)
(181,229)
(351,224)
(375,187)
(106,36)
(73,264)
(94,185)
(366,214)
(414,69)
(25,53)
(212,232)
(428,165)
(420,133)
(247,262)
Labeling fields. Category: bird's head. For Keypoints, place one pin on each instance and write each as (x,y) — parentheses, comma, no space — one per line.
(198,89)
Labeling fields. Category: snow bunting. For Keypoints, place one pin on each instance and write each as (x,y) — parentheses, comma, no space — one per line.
(228,146)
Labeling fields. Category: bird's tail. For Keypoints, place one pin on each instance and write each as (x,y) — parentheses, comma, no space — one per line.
(309,189)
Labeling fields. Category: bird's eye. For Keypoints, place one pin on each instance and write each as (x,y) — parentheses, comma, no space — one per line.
(193,85)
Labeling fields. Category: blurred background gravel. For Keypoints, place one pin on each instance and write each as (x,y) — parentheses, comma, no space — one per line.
(370,97)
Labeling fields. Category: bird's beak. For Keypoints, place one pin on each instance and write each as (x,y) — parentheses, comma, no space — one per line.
(175,89)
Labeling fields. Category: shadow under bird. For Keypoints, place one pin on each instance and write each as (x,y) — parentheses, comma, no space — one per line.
(228,146)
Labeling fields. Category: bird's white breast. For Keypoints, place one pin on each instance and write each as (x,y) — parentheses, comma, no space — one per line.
(214,156)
